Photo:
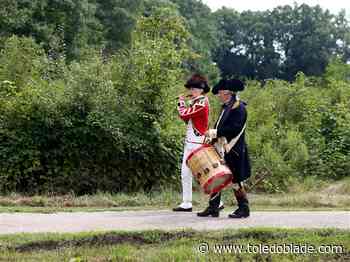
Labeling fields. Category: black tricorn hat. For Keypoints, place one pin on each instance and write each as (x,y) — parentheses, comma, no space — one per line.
(198,81)
(233,85)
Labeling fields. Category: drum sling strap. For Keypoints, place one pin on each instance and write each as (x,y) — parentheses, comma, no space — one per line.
(229,146)
(234,140)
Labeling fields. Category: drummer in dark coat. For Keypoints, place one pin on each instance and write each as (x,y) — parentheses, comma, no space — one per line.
(230,128)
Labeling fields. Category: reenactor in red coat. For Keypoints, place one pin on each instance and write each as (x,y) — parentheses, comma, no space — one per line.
(196,116)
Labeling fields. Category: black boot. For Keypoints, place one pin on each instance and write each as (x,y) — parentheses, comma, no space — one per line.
(209,211)
(213,208)
(181,209)
(241,212)
(243,205)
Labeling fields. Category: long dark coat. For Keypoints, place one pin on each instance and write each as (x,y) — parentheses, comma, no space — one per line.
(229,126)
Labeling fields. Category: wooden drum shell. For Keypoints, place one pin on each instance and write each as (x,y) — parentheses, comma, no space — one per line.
(208,169)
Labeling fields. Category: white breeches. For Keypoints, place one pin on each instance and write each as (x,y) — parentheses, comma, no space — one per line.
(186,174)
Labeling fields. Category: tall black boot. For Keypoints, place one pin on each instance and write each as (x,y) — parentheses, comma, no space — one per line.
(243,204)
(213,208)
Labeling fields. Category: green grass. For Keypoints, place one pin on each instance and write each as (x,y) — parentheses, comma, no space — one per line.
(309,195)
(170,246)
(167,200)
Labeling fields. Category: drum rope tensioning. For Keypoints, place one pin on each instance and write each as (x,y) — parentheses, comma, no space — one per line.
(209,169)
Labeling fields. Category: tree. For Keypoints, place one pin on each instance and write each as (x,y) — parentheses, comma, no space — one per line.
(247,44)
(118,19)
(72,23)
(201,24)
(281,42)
(75,25)
(309,37)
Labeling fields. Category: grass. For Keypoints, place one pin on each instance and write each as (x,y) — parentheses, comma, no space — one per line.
(167,200)
(171,246)
(306,196)
(107,202)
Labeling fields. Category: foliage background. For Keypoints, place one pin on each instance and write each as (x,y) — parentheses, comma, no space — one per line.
(87,91)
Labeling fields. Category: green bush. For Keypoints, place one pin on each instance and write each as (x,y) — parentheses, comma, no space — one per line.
(297,130)
(94,125)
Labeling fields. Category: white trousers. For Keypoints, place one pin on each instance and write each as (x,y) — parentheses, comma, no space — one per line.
(186,174)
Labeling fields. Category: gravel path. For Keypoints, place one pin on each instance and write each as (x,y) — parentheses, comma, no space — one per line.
(165,220)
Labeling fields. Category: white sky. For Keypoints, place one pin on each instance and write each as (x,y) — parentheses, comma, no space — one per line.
(255,5)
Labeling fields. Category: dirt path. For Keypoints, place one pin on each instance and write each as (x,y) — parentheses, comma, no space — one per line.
(165,220)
